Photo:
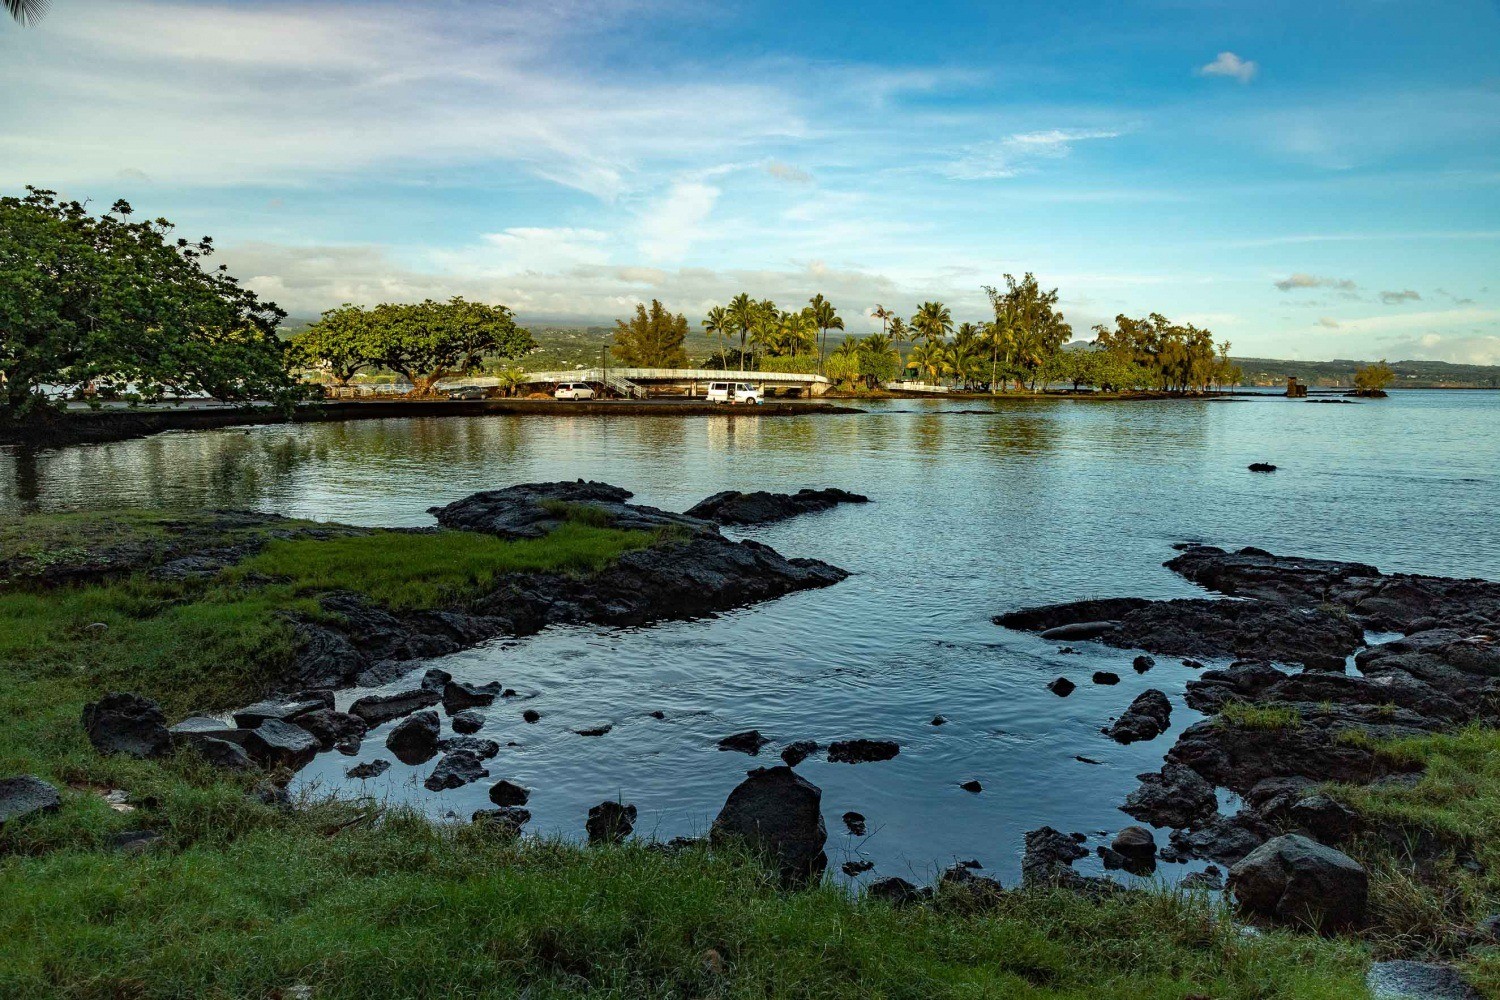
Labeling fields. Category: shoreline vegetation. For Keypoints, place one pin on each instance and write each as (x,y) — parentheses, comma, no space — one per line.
(108,310)
(168,876)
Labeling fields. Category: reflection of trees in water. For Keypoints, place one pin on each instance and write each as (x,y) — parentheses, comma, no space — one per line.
(22,478)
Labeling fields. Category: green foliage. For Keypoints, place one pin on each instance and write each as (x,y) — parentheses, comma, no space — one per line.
(405,570)
(1246,716)
(107,302)
(1171,357)
(424,342)
(651,339)
(338,343)
(1373,377)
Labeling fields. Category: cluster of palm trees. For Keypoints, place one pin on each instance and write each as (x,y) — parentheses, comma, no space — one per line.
(766,330)
(1027,330)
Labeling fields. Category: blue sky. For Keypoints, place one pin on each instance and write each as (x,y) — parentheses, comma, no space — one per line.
(1309,180)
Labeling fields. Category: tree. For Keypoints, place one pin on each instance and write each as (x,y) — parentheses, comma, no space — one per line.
(826,318)
(717,324)
(798,333)
(883,314)
(429,341)
(338,343)
(932,321)
(1374,378)
(898,328)
(742,313)
(27,12)
(108,302)
(651,339)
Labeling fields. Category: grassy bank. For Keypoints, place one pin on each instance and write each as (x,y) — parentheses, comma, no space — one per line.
(243,900)
(1447,820)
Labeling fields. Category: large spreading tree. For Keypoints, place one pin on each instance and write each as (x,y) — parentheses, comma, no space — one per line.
(112,303)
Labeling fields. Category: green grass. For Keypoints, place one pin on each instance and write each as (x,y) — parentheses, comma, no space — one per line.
(1455,804)
(405,909)
(433,569)
(1247,716)
(243,900)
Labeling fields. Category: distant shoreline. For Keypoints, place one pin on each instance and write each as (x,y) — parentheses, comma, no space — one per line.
(106,425)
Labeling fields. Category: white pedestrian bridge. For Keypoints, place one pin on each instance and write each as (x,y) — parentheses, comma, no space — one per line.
(637,383)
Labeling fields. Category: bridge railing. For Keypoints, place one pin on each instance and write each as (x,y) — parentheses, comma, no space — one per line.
(639,375)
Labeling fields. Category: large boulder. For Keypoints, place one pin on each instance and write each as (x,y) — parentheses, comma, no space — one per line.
(126,724)
(1049,857)
(1296,880)
(862,751)
(334,729)
(415,739)
(609,822)
(458,695)
(456,769)
(205,727)
(779,815)
(223,754)
(735,508)
(533,510)
(1175,796)
(280,744)
(750,742)
(26,795)
(377,709)
(1147,718)
(283,709)
(1406,980)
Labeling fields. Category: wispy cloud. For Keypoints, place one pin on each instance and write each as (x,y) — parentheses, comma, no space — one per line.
(671,225)
(1397,298)
(1230,65)
(1021,151)
(1298,281)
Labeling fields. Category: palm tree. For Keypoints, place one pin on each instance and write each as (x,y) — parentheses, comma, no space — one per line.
(883,314)
(827,319)
(930,358)
(741,315)
(717,324)
(27,12)
(1001,336)
(799,331)
(765,327)
(933,321)
(898,328)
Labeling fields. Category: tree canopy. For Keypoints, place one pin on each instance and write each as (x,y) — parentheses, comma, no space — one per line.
(112,303)
(424,342)
(1373,378)
(652,338)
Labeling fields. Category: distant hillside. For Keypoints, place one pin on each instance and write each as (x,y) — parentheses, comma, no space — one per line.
(1409,374)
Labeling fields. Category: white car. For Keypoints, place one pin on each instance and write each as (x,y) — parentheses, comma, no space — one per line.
(573,390)
(733,392)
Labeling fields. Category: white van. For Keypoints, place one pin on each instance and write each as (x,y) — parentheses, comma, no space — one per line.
(573,390)
(733,392)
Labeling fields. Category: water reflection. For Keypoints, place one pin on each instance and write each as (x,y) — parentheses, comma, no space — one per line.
(974,513)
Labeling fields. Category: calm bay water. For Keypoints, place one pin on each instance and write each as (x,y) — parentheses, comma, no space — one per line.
(978,508)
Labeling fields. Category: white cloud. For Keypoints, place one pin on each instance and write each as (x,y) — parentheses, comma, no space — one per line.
(225,94)
(1019,151)
(1396,298)
(787,172)
(543,249)
(1297,281)
(1329,322)
(670,227)
(1479,349)
(1230,65)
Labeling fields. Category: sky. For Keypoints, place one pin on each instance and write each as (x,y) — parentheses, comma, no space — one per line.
(1308,180)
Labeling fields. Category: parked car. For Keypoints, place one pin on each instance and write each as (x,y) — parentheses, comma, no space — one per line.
(733,392)
(467,392)
(573,390)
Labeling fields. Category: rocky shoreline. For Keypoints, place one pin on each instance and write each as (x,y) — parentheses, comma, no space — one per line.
(1276,734)
(693,571)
